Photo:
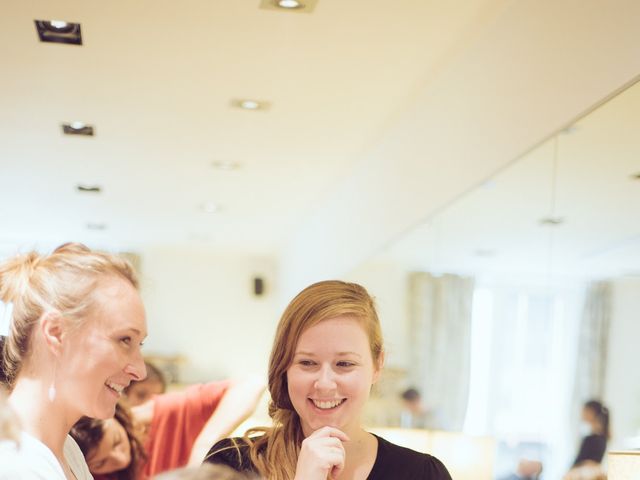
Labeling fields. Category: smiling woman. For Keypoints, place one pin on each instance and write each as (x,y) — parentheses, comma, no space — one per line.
(73,345)
(327,353)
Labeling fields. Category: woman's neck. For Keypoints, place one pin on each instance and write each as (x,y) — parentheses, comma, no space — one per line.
(46,420)
(361,452)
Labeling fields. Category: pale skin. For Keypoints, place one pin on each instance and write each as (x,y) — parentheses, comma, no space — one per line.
(58,357)
(329,382)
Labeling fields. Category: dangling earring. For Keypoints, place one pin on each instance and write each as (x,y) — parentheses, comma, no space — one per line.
(52,392)
(52,388)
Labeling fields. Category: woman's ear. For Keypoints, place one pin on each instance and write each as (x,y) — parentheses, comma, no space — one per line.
(52,329)
(377,367)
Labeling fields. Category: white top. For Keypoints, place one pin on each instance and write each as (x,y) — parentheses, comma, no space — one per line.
(33,460)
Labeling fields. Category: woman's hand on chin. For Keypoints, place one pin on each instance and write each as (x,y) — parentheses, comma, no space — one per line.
(322,455)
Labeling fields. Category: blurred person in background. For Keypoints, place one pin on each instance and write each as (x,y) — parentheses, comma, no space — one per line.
(415,414)
(142,391)
(596,433)
(167,431)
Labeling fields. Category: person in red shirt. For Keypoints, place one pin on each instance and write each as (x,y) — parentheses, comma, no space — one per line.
(166,432)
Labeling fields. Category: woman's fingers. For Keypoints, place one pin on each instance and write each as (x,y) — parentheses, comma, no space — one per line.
(330,432)
(322,454)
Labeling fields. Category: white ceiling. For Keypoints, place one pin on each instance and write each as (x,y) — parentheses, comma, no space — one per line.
(157,78)
(495,228)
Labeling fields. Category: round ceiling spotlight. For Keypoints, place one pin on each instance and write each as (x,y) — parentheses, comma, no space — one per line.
(210,207)
(289,4)
(249,104)
(225,165)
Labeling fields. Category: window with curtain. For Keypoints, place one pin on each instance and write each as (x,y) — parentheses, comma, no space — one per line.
(523,360)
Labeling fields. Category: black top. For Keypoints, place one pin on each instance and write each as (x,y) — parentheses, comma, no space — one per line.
(592,448)
(392,461)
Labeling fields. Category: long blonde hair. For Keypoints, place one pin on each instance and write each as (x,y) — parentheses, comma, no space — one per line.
(62,281)
(275,452)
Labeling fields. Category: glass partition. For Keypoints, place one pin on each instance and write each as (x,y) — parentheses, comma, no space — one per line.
(518,302)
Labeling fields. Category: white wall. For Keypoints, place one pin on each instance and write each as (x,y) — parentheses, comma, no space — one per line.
(388,283)
(623,375)
(201,304)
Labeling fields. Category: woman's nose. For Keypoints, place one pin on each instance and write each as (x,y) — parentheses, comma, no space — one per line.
(136,368)
(325,380)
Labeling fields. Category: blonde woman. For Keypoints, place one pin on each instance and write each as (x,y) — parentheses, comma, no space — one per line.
(73,345)
(327,353)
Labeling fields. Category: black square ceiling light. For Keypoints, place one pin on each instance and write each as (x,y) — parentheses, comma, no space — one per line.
(59,31)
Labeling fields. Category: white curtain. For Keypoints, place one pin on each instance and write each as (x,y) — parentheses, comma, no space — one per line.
(440,340)
(593,340)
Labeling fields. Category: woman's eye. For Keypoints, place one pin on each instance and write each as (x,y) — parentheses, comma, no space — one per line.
(306,363)
(126,340)
(346,364)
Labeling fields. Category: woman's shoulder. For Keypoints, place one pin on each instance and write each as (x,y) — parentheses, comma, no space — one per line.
(75,459)
(32,459)
(232,452)
(393,459)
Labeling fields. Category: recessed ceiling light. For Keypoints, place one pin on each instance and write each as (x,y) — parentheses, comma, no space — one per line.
(294,6)
(89,188)
(59,24)
(551,221)
(225,165)
(289,4)
(96,226)
(78,128)
(59,31)
(210,207)
(250,104)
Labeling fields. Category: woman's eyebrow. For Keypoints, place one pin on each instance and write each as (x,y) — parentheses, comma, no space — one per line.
(340,354)
(133,330)
(305,354)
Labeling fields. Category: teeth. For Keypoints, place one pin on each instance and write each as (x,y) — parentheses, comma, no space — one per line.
(328,404)
(115,386)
